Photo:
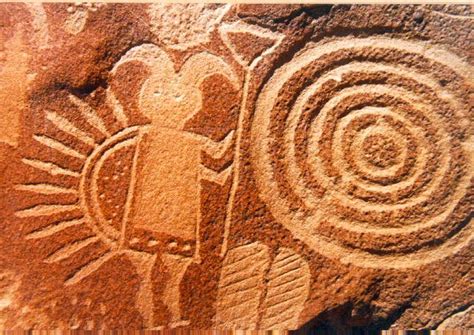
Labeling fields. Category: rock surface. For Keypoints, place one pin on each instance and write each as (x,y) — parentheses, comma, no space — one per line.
(236,166)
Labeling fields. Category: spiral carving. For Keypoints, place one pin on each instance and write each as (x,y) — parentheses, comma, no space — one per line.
(363,149)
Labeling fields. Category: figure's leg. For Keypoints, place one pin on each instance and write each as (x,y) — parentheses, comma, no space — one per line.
(144,263)
(176,266)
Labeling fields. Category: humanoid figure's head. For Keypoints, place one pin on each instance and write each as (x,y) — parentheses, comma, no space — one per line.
(168,97)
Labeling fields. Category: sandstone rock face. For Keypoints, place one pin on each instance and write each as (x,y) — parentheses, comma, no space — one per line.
(236,166)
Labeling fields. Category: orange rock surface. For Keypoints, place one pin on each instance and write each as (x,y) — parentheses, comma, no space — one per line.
(218,166)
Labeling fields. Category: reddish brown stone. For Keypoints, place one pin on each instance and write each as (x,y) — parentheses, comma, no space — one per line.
(236,166)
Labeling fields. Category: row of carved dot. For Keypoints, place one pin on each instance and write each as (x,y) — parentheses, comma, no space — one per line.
(173,245)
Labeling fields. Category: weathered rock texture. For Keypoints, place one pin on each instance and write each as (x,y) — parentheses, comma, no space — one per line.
(236,166)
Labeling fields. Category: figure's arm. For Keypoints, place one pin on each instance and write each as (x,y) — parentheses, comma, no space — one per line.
(216,150)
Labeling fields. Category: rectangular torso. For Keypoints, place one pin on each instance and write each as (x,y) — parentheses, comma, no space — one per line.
(166,197)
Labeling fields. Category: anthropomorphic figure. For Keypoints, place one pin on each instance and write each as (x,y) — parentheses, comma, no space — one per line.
(165,199)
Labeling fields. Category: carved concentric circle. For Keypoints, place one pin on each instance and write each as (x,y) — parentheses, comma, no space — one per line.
(363,149)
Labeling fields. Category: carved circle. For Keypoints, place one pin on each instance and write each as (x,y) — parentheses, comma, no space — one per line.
(362,148)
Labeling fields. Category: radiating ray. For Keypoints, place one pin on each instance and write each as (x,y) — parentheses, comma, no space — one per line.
(117,108)
(65,125)
(45,189)
(58,146)
(44,210)
(90,114)
(70,249)
(54,228)
(49,167)
(89,268)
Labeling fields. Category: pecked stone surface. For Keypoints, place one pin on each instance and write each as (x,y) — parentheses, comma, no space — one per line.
(236,166)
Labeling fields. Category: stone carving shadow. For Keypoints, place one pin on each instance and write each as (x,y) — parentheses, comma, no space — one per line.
(340,321)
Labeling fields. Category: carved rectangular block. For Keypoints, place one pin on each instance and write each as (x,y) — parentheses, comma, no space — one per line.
(230,166)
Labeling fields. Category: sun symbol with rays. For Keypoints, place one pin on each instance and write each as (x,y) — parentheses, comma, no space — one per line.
(108,166)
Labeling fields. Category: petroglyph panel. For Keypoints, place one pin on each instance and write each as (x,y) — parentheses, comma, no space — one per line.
(220,166)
